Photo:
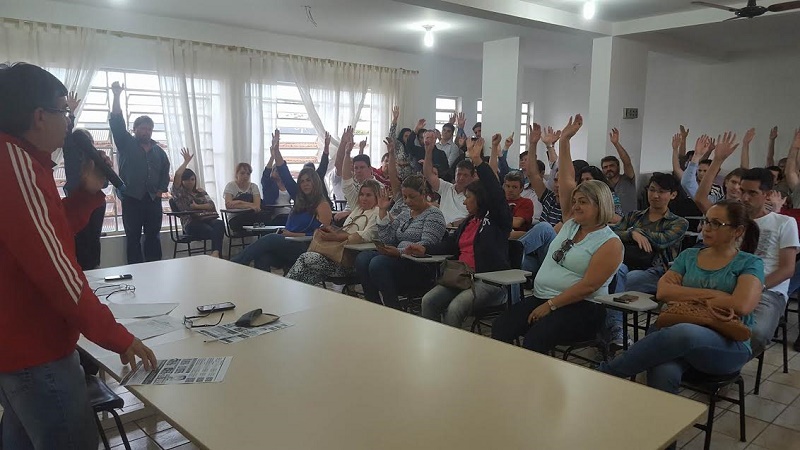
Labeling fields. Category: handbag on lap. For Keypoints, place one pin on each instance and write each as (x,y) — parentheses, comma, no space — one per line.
(456,275)
(723,320)
(638,259)
(335,250)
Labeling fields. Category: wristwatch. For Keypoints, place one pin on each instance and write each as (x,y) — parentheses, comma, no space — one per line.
(553,307)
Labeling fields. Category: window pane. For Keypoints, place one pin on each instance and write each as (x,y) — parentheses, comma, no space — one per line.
(442,117)
(479,117)
(524,108)
(446,103)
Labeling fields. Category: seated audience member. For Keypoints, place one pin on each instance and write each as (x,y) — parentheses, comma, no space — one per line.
(652,240)
(580,264)
(777,247)
(731,187)
(311,210)
(481,242)
(530,193)
(476,129)
(452,195)
(402,140)
(447,144)
(313,267)
(697,169)
(438,157)
(594,173)
(623,184)
(680,157)
(723,275)
(383,170)
(521,207)
(411,221)
(205,224)
(243,194)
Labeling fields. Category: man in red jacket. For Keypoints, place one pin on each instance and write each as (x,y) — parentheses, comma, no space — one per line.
(45,300)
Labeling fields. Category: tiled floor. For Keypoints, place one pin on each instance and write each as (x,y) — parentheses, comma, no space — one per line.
(772,418)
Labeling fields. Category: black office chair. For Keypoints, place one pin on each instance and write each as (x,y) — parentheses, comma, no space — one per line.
(179,237)
(783,340)
(103,399)
(233,235)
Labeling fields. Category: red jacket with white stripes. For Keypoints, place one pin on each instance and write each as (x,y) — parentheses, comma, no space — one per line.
(45,300)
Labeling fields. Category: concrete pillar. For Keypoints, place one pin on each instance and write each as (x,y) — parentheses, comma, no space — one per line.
(501,88)
(619,79)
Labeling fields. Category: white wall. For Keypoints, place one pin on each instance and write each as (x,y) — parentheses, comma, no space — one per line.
(756,91)
(564,93)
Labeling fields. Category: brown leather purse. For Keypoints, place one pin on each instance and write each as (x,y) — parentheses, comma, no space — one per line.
(720,319)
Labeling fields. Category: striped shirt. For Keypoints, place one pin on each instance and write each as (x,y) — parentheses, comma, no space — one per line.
(398,228)
(551,209)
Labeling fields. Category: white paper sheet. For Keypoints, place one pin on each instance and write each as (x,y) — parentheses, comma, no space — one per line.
(230,333)
(140,310)
(147,328)
(181,371)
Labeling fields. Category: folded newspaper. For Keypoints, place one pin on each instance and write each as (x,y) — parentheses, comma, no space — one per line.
(230,333)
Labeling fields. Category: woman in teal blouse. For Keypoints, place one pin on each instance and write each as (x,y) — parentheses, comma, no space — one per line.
(721,273)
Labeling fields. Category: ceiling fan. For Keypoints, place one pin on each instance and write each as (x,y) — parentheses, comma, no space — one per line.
(752,9)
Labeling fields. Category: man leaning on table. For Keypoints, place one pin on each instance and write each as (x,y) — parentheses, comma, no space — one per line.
(45,299)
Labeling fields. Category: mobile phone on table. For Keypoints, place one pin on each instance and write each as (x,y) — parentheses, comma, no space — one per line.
(120,277)
(214,307)
(626,298)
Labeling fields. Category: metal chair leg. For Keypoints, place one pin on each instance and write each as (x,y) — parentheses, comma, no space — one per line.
(785,343)
(742,429)
(710,422)
(102,433)
(758,373)
(121,430)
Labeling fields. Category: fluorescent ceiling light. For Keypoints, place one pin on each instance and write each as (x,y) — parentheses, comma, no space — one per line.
(589,8)
(428,39)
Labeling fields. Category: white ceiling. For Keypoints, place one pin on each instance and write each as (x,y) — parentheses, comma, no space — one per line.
(383,24)
(622,10)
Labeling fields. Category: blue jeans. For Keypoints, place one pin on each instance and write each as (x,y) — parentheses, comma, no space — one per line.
(47,406)
(142,215)
(382,276)
(645,281)
(456,305)
(272,250)
(536,243)
(767,314)
(667,353)
(794,282)
(214,230)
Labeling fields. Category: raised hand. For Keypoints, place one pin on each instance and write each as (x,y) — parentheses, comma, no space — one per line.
(460,141)
(510,141)
(384,199)
(535,132)
(496,138)
(614,136)
(748,136)
(773,133)
(420,125)
(73,102)
(796,141)
(551,136)
(117,88)
(276,139)
(573,125)
(452,119)
(389,141)
(362,145)
(461,120)
(684,133)
(395,114)
(349,147)
(713,144)
(475,149)
(701,147)
(186,155)
(327,140)
(676,142)
(727,145)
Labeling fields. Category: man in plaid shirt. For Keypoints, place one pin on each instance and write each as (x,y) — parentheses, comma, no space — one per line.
(656,231)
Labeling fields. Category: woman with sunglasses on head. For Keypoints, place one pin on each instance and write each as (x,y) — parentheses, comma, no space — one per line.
(579,265)
(311,210)
(724,274)
(412,220)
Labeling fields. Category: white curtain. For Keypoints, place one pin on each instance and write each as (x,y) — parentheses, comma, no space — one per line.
(69,53)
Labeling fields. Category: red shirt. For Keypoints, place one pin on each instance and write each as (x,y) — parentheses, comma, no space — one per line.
(522,207)
(45,299)
(466,243)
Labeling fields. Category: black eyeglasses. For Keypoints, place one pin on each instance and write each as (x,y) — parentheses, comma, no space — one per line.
(188,321)
(713,224)
(115,288)
(559,254)
(64,111)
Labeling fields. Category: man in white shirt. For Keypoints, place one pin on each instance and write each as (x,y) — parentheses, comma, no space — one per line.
(453,195)
(777,247)
(448,145)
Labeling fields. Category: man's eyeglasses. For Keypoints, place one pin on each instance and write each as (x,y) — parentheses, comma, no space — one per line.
(189,321)
(64,111)
(713,224)
(559,254)
(114,288)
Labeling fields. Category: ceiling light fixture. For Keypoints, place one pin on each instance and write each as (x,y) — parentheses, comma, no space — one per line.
(428,39)
(589,8)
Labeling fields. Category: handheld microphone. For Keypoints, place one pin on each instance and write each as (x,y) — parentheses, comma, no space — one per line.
(83,142)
